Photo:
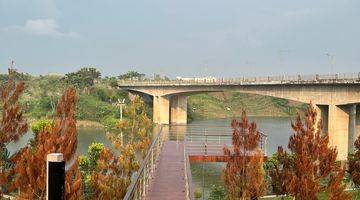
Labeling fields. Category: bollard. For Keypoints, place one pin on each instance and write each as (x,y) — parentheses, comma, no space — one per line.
(55,177)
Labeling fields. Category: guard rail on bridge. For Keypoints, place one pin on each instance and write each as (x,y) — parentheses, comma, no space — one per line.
(297,79)
(140,185)
(213,144)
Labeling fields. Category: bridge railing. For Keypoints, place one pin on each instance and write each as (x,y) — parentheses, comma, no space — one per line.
(315,78)
(140,184)
(213,144)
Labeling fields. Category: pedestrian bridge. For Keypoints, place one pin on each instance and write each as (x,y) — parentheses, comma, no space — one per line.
(165,172)
(335,96)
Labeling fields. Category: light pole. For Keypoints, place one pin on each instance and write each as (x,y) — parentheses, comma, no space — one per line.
(332,61)
(120,104)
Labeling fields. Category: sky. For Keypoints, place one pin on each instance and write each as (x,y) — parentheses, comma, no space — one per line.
(223,38)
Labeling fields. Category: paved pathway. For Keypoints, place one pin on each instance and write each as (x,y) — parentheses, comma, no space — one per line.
(169,180)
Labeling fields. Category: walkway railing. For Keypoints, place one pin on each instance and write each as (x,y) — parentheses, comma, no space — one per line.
(213,144)
(140,185)
(294,79)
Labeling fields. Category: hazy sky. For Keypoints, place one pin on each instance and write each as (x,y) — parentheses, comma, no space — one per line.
(230,38)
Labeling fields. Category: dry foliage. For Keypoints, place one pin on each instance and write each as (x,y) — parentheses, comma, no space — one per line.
(244,173)
(280,171)
(312,162)
(30,169)
(112,175)
(354,165)
(137,127)
(12,123)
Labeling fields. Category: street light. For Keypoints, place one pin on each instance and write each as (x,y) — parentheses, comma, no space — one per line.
(332,61)
(120,104)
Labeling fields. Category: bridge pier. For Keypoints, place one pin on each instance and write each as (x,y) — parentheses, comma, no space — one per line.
(352,127)
(161,105)
(178,109)
(338,129)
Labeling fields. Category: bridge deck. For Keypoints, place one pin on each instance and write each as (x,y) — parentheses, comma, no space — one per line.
(169,182)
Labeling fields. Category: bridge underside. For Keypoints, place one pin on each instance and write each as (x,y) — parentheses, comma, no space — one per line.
(337,105)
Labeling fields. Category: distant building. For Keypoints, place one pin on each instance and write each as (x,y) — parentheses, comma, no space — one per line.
(197,79)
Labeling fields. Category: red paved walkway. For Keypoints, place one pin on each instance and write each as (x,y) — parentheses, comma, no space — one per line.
(169,182)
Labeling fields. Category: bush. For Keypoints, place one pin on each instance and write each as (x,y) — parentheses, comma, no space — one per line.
(217,192)
(197,194)
(90,108)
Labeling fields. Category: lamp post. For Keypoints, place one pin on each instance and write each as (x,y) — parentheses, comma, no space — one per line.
(55,177)
(332,61)
(120,104)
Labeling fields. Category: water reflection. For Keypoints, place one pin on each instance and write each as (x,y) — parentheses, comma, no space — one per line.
(204,175)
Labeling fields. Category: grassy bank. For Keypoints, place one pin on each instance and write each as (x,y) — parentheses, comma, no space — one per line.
(231,104)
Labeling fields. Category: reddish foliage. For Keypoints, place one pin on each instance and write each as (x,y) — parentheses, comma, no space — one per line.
(113,174)
(312,161)
(244,174)
(354,165)
(12,123)
(280,172)
(30,169)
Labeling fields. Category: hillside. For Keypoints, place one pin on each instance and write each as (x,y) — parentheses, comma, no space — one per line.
(97,95)
(229,104)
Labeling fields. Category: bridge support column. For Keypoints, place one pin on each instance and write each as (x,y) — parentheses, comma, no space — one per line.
(161,110)
(338,128)
(179,109)
(323,113)
(352,127)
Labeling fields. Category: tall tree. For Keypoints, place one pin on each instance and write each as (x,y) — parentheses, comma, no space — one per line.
(12,123)
(131,75)
(244,173)
(82,79)
(312,162)
(30,169)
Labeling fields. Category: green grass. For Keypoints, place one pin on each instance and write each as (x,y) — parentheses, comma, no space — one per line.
(213,105)
(322,196)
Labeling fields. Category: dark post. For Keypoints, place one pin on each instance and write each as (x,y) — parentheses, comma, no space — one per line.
(55,182)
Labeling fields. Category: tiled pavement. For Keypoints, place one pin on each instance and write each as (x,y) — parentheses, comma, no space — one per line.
(169,181)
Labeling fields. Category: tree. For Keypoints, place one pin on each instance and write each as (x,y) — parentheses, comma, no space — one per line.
(279,171)
(88,164)
(354,165)
(12,124)
(30,169)
(244,174)
(82,79)
(113,173)
(131,75)
(136,126)
(312,162)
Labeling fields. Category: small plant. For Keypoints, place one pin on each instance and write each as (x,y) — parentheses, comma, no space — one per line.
(217,192)
(197,194)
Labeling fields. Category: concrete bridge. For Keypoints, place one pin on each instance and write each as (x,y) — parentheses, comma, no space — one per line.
(336,96)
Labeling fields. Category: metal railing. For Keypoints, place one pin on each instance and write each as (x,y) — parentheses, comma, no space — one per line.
(285,79)
(140,185)
(213,144)
(188,178)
